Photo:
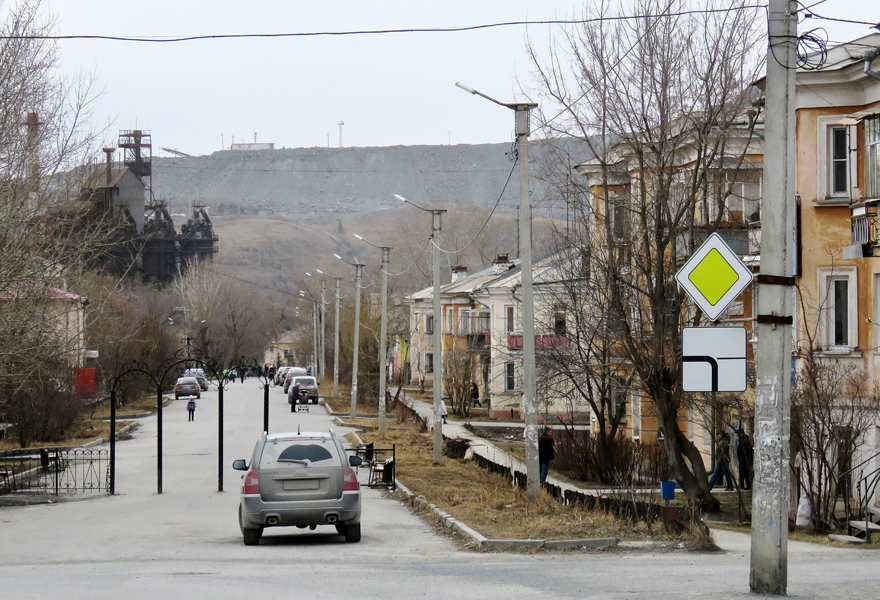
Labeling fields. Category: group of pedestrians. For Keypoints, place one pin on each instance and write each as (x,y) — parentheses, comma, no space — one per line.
(744,454)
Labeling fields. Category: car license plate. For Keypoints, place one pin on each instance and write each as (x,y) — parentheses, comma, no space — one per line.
(300,484)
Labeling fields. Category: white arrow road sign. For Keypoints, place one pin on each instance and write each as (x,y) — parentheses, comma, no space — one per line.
(714,359)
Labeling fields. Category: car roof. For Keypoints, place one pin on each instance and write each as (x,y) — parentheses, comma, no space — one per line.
(272,437)
(186,378)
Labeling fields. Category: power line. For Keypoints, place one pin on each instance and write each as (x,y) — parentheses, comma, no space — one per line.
(192,38)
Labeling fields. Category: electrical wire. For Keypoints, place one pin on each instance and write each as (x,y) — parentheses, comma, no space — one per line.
(416,260)
(191,38)
(494,208)
(812,49)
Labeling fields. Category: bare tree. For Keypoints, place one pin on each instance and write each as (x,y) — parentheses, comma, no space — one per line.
(659,98)
(46,234)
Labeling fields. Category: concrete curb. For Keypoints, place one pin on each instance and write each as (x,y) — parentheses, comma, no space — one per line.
(105,440)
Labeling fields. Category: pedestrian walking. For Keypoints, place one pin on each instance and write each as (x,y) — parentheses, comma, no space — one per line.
(475,396)
(242,375)
(444,414)
(545,452)
(745,455)
(722,461)
(191,409)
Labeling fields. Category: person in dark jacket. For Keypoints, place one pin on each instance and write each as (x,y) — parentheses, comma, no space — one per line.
(745,455)
(294,397)
(722,461)
(545,452)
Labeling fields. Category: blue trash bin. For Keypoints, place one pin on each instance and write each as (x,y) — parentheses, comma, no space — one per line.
(667,488)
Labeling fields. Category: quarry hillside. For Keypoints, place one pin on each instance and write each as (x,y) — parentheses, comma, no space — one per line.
(332,183)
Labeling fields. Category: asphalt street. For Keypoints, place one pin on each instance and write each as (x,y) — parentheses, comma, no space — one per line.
(185,543)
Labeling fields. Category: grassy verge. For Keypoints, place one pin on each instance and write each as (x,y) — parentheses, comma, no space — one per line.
(491,505)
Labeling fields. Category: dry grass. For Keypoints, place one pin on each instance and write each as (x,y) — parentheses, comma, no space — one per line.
(85,432)
(490,504)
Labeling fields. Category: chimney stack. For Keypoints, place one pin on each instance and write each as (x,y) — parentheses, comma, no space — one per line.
(109,153)
(458,273)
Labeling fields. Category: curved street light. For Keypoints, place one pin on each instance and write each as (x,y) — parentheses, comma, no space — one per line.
(358,272)
(383,331)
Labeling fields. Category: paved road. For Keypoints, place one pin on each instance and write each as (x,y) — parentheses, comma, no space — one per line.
(185,543)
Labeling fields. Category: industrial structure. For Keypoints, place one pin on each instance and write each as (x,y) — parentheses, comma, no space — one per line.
(146,234)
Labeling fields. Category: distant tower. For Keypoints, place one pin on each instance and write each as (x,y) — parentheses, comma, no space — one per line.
(341,123)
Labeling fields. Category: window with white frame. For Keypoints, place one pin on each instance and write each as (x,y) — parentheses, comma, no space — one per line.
(509,376)
(839,308)
(450,324)
(835,167)
(509,319)
(429,362)
(872,157)
(429,324)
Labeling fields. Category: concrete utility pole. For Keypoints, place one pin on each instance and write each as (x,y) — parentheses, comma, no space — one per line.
(770,501)
(437,387)
(383,331)
(336,343)
(524,218)
(358,273)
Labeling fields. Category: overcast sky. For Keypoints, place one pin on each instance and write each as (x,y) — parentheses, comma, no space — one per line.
(388,89)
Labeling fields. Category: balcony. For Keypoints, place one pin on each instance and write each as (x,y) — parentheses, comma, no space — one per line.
(542,342)
(478,342)
(864,225)
(863,222)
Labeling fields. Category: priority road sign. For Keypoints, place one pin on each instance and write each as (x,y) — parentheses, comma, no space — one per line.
(713,359)
(714,276)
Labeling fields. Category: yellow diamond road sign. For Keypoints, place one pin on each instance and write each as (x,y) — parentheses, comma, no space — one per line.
(714,276)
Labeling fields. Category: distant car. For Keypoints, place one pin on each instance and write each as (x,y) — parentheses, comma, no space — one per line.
(200,376)
(290,374)
(301,480)
(309,384)
(279,375)
(187,386)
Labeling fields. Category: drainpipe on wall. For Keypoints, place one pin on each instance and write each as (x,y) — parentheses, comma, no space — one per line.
(869,58)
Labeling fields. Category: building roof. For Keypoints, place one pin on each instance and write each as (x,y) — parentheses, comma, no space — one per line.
(98,181)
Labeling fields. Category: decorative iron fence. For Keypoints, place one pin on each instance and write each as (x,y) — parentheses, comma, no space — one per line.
(54,471)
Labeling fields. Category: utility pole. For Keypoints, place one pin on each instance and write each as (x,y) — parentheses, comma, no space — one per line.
(770,500)
(323,360)
(524,243)
(437,386)
(383,334)
(358,271)
(336,343)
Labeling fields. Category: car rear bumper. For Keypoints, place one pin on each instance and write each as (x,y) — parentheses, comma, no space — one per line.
(258,513)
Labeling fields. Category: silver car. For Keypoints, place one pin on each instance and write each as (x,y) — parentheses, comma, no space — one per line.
(301,480)
(306,383)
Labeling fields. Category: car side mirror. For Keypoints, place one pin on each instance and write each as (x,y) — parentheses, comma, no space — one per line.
(240,465)
(355,461)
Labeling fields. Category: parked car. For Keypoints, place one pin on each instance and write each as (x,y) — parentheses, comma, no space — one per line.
(300,480)
(279,375)
(309,384)
(200,376)
(187,386)
(290,374)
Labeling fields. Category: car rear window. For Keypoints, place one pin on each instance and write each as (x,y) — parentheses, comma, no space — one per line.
(306,381)
(286,454)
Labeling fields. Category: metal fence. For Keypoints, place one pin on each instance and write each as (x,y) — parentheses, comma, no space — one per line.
(54,471)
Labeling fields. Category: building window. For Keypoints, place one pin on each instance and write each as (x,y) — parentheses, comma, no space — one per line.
(509,377)
(429,324)
(509,319)
(559,327)
(429,362)
(839,161)
(872,157)
(450,323)
(839,327)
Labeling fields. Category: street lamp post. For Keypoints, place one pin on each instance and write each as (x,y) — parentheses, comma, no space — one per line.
(530,404)
(358,271)
(336,342)
(321,327)
(436,225)
(383,332)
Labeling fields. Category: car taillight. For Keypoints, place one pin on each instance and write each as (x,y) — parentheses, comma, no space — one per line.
(252,482)
(349,480)
(176,387)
